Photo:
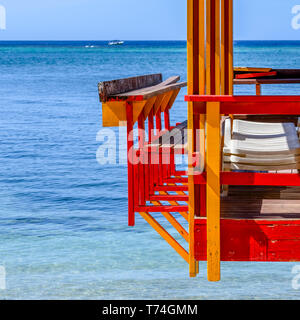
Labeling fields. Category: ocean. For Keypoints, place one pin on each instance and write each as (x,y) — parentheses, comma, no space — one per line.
(63,216)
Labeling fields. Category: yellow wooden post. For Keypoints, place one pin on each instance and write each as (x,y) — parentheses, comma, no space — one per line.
(258,89)
(209,75)
(210,71)
(217,48)
(213,191)
(213,140)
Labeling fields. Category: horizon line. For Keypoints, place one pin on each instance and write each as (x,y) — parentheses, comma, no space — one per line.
(137,40)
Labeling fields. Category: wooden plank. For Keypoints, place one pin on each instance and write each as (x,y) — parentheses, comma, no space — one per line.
(171,188)
(130,168)
(213,190)
(253,240)
(255,75)
(174,209)
(166,100)
(148,106)
(262,179)
(138,107)
(230,98)
(109,88)
(141,142)
(266,81)
(158,103)
(169,197)
(173,98)
(261,202)
(257,108)
(113,113)
(250,69)
(147,93)
(261,107)
(217,48)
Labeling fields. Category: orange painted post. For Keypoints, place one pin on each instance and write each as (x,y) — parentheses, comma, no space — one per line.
(217,46)
(213,141)
(210,72)
(258,89)
(192,49)
(213,190)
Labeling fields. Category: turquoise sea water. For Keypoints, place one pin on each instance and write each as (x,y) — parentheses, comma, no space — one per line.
(63,217)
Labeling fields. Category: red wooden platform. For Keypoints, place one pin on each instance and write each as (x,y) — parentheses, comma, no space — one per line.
(258,224)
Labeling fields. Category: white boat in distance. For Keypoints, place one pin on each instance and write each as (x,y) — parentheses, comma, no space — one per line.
(115,43)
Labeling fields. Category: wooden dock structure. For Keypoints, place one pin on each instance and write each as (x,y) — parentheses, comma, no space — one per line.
(258,217)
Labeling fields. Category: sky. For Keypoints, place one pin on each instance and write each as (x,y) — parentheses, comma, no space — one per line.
(138,20)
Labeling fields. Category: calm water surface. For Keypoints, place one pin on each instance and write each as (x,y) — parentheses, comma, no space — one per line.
(63,231)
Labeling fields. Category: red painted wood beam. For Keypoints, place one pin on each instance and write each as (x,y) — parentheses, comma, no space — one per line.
(176,180)
(130,144)
(127,99)
(162,209)
(239,99)
(276,105)
(171,188)
(169,198)
(254,179)
(260,179)
(181,173)
(244,108)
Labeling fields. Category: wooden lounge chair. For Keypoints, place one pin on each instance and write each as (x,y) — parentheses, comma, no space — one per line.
(257,146)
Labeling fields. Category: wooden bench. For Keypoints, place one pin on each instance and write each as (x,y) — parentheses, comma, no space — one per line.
(145,93)
(176,139)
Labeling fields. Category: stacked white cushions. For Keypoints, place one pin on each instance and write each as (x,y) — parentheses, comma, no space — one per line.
(260,146)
